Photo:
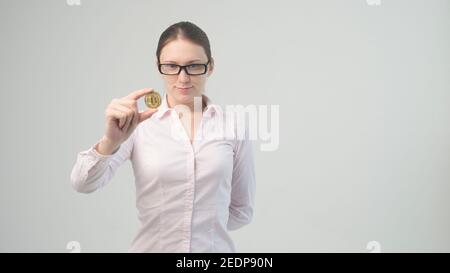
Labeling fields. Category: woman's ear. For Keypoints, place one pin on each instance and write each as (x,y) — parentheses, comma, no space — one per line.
(211,66)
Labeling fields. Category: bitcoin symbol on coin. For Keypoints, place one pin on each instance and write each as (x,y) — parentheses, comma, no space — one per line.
(153,99)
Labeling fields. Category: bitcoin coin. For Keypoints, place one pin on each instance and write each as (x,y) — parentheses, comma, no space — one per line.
(153,99)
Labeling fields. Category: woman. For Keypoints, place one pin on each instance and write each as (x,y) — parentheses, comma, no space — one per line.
(191,190)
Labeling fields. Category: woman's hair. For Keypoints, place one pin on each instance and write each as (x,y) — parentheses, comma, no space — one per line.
(185,30)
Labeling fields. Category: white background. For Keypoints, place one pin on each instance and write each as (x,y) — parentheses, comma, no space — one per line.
(363,90)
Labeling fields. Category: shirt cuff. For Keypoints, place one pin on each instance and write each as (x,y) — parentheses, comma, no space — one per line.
(93,152)
(94,158)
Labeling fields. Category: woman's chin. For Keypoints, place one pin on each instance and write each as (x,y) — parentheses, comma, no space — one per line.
(182,98)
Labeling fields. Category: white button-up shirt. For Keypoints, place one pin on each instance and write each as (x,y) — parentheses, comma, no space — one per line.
(189,195)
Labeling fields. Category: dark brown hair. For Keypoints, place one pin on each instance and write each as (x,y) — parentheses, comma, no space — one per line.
(186,30)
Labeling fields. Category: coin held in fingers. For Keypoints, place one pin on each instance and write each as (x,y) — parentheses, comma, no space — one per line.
(153,100)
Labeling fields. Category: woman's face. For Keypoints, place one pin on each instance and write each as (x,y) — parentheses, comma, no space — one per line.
(182,88)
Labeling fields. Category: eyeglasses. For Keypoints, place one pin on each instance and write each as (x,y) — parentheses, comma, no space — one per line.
(190,69)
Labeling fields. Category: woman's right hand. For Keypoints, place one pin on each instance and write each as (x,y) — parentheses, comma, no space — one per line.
(122,117)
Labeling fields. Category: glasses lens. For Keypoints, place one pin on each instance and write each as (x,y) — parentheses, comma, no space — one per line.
(169,69)
(196,69)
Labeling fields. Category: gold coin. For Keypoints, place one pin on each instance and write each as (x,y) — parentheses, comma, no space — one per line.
(153,99)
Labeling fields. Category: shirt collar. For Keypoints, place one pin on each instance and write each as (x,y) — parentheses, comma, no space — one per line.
(209,111)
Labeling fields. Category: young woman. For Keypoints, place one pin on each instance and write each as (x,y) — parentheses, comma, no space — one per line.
(191,190)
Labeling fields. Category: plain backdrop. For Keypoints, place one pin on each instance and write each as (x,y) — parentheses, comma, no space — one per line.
(363,92)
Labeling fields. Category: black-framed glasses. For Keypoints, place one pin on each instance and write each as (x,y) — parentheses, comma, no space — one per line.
(190,69)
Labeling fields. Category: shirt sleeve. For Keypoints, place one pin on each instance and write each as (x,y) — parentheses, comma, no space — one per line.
(243,186)
(93,170)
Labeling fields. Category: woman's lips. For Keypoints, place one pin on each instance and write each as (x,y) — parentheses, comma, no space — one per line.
(184,90)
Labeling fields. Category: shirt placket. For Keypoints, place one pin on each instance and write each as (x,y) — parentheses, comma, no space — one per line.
(190,187)
(190,191)
(189,200)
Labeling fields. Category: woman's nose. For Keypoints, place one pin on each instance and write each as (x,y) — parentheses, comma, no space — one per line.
(183,76)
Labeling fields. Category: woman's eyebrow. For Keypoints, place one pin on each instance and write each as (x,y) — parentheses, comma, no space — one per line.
(193,61)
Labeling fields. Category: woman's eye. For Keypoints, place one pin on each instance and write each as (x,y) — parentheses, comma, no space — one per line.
(172,66)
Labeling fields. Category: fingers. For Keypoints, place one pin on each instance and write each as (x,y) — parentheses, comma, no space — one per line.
(129,122)
(139,93)
(127,106)
(115,114)
(128,113)
(123,114)
(125,110)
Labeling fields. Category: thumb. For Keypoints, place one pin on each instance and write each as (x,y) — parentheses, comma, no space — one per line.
(146,114)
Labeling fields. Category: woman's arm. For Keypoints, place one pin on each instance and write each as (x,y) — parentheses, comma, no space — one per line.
(94,170)
(243,186)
